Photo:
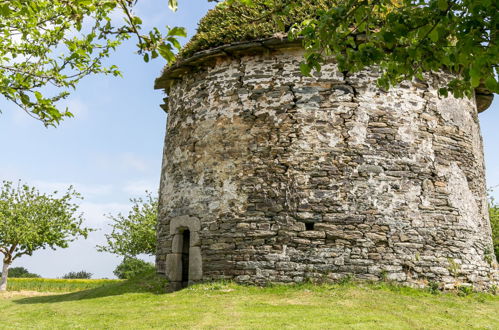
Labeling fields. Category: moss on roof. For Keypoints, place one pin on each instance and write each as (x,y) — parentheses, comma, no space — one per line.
(227,24)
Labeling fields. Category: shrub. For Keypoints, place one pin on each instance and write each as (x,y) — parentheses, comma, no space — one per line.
(78,275)
(131,267)
(494,222)
(463,291)
(433,287)
(21,272)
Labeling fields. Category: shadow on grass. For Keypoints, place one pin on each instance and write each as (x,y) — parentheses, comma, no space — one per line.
(149,283)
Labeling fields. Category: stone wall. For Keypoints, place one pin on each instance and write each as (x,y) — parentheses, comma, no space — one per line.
(292,178)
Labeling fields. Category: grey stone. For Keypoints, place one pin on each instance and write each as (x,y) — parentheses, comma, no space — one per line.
(393,181)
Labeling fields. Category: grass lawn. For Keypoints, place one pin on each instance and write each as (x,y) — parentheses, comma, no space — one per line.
(55,284)
(138,304)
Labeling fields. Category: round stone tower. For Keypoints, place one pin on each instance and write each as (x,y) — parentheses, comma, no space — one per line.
(270,176)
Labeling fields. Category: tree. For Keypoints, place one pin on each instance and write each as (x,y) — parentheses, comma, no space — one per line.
(403,38)
(135,233)
(30,220)
(77,275)
(56,43)
(132,267)
(21,272)
(406,38)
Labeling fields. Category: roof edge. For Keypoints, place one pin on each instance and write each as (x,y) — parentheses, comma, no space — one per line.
(173,73)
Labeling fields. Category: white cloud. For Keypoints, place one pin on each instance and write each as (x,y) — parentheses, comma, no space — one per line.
(76,107)
(95,214)
(9,173)
(123,162)
(87,190)
(21,119)
(138,188)
(132,161)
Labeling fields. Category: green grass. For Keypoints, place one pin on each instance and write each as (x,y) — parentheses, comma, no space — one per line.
(55,285)
(139,304)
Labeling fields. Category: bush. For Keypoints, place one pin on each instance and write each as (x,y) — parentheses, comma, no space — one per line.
(21,272)
(131,267)
(78,275)
(494,222)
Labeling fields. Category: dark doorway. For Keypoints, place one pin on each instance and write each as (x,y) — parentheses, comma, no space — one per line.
(186,243)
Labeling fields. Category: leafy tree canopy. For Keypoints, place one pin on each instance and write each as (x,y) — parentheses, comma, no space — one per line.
(58,42)
(404,38)
(21,272)
(132,267)
(30,220)
(77,275)
(48,46)
(134,233)
(407,38)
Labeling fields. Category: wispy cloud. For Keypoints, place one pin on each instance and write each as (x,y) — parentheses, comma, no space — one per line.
(77,108)
(124,162)
(87,190)
(138,188)
(95,214)
(134,162)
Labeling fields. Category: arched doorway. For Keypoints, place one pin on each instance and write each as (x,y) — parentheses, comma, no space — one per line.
(184,263)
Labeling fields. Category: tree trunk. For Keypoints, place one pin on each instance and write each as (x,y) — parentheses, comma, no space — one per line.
(5,273)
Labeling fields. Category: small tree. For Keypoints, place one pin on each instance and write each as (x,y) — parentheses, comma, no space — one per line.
(131,267)
(30,221)
(77,275)
(135,233)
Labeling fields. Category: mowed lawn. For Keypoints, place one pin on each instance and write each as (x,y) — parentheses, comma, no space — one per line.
(138,304)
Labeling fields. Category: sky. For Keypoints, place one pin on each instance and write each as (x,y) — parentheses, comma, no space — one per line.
(112,150)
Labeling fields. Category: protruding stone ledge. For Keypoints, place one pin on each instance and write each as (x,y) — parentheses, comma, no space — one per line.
(176,71)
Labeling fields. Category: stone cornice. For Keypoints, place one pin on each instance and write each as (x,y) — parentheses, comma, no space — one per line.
(173,73)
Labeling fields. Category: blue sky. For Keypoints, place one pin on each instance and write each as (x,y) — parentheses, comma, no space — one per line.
(112,150)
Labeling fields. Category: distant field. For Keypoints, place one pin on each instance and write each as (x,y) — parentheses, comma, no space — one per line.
(54,285)
(140,304)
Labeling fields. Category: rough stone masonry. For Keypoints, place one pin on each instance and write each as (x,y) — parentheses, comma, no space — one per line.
(270,176)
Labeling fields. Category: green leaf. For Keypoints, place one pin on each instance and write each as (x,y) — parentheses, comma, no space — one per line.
(178,32)
(136,20)
(305,69)
(443,5)
(25,99)
(475,81)
(434,35)
(38,96)
(166,52)
(173,4)
(175,43)
(475,76)
(491,84)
